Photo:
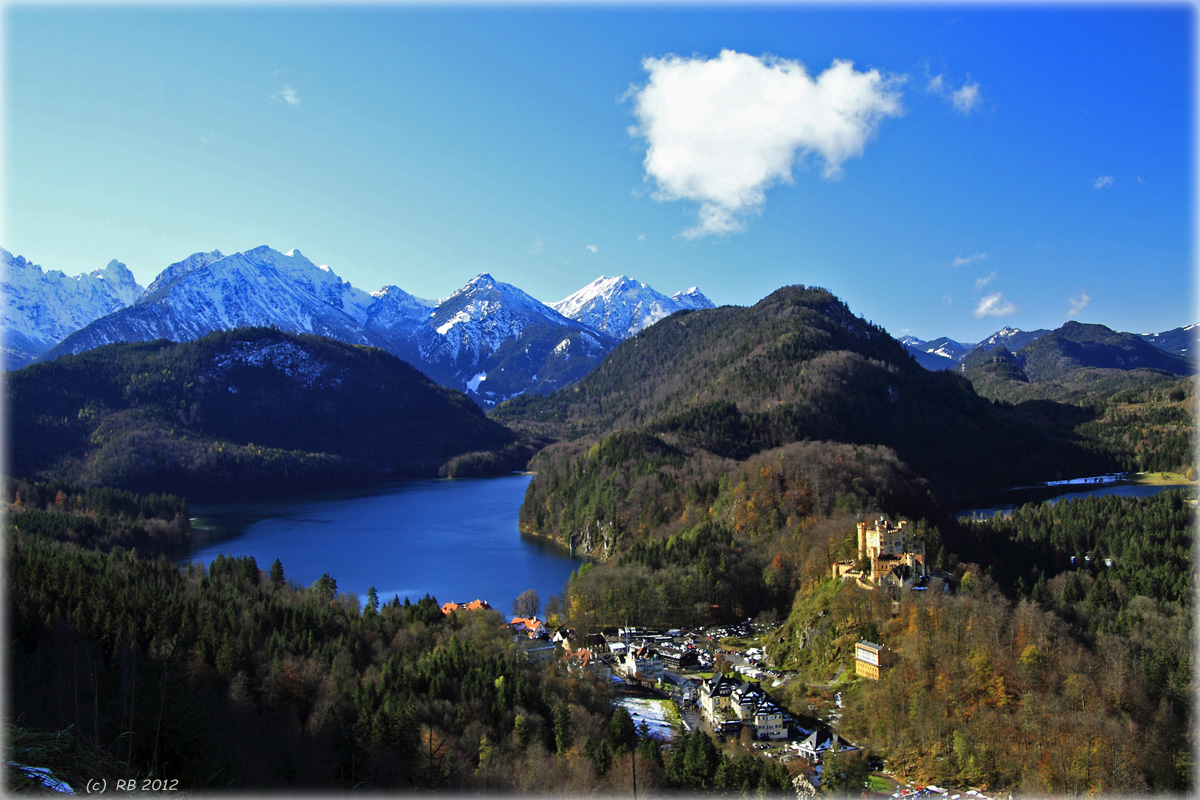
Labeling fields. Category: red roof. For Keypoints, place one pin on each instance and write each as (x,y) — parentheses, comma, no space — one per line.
(532,625)
(474,605)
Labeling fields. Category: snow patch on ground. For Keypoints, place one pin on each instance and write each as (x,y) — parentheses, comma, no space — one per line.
(460,317)
(473,384)
(287,357)
(656,713)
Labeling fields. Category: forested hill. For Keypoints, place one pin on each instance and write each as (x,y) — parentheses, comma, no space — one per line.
(244,412)
(1076,345)
(1077,363)
(797,366)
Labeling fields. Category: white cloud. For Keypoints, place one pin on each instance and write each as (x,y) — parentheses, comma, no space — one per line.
(722,131)
(994,305)
(962,261)
(641,237)
(287,94)
(964,99)
(1078,304)
(537,247)
(595,248)
(1140,181)
(1103,182)
(982,282)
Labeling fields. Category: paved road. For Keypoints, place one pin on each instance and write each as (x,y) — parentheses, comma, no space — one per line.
(691,717)
(831,683)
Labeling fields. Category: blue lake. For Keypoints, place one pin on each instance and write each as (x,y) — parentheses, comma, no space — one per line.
(1057,493)
(456,540)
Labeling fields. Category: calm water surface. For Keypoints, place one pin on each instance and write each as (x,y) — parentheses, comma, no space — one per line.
(456,540)
(1055,494)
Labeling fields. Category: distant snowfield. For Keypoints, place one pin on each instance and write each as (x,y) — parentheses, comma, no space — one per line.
(656,713)
(473,384)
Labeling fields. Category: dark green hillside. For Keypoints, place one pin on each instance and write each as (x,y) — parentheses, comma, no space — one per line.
(1116,394)
(800,366)
(689,537)
(241,412)
(1076,364)
(1000,360)
(1058,354)
(1148,431)
(750,356)
(631,378)
(718,462)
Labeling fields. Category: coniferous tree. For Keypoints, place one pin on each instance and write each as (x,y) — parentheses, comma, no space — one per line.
(622,732)
(562,727)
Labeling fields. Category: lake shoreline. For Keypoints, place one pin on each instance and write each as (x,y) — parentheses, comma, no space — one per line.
(1128,484)
(455,539)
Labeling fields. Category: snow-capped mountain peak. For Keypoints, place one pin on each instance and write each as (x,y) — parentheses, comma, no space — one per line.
(692,298)
(495,341)
(120,280)
(258,287)
(41,307)
(488,338)
(485,312)
(1006,333)
(1012,338)
(193,262)
(946,353)
(622,307)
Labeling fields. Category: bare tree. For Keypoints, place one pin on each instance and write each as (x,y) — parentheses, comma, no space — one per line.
(527,604)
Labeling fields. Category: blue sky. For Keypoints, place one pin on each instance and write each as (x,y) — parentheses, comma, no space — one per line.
(974,167)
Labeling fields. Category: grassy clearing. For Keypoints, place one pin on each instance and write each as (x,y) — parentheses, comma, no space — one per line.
(732,643)
(1161,478)
(847,677)
(878,783)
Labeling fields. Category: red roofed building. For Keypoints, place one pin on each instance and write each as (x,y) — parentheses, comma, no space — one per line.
(474,605)
(532,627)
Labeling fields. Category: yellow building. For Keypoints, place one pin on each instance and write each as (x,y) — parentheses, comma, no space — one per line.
(869,659)
(887,546)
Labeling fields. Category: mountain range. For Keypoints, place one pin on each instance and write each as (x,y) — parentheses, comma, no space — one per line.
(622,307)
(693,397)
(946,353)
(40,308)
(489,339)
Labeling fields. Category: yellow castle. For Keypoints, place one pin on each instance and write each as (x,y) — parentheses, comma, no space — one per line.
(886,547)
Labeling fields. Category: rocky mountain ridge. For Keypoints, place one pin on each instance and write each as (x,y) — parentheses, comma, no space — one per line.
(489,339)
(41,307)
(947,354)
